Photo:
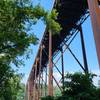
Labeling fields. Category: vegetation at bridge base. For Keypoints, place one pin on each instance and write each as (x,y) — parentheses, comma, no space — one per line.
(78,86)
(47,98)
(12,88)
(16,20)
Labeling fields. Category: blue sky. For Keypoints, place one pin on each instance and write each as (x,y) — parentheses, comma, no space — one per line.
(69,62)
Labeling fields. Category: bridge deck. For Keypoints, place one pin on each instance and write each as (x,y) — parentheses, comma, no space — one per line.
(70,13)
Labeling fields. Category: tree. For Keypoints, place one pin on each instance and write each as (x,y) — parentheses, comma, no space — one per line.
(21,94)
(79,86)
(15,39)
(10,87)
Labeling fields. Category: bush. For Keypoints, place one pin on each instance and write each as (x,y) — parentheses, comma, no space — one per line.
(47,98)
(78,86)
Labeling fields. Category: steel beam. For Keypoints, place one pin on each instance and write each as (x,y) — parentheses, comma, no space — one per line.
(46,81)
(35,81)
(67,46)
(40,65)
(57,68)
(28,85)
(74,56)
(30,90)
(50,80)
(84,51)
(26,93)
(62,62)
(42,84)
(56,83)
(95,18)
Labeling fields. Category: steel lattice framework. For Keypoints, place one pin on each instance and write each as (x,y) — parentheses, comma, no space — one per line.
(72,14)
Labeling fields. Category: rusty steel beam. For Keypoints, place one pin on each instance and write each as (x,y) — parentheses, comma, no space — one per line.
(50,79)
(56,82)
(31,89)
(40,66)
(38,88)
(46,81)
(95,18)
(35,87)
(35,81)
(28,91)
(44,90)
(41,84)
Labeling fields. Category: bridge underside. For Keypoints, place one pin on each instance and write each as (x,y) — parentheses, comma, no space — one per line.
(72,14)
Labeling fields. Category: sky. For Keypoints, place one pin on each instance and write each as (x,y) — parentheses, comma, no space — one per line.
(70,64)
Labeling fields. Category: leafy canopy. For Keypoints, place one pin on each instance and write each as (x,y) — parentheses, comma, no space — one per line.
(15,39)
(78,86)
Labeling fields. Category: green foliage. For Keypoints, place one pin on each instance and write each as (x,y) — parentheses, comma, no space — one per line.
(39,12)
(49,18)
(47,98)
(78,81)
(51,23)
(20,94)
(78,86)
(14,42)
(15,39)
(10,87)
(57,91)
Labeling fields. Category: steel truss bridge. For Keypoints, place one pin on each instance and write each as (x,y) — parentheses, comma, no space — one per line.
(72,14)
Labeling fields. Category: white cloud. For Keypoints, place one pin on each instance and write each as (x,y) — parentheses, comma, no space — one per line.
(97,78)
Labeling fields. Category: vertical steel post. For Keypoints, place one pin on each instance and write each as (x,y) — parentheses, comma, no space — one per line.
(84,51)
(46,81)
(95,18)
(30,86)
(26,93)
(62,62)
(40,65)
(28,90)
(35,87)
(42,85)
(50,81)
(38,88)
(35,83)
